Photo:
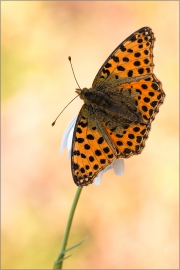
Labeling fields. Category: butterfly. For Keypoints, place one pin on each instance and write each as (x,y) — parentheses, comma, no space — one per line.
(118,109)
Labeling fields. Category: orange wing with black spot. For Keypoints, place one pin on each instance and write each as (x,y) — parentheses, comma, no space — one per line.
(144,97)
(132,58)
(91,153)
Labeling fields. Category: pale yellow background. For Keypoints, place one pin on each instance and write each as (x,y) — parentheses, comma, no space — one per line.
(131,221)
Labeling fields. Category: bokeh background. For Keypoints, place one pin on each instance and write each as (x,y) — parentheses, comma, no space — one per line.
(131,221)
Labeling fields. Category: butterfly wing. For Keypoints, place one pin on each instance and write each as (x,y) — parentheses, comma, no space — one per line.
(144,97)
(126,78)
(131,59)
(91,151)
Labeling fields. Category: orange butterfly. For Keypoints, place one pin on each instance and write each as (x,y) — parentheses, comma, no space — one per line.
(116,117)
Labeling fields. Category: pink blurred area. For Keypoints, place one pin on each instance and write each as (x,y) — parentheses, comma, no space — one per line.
(131,221)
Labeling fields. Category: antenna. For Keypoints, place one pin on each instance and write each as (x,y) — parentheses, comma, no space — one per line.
(69,58)
(63,110)
(73,98)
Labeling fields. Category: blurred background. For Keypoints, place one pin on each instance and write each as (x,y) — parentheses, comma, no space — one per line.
(131,221)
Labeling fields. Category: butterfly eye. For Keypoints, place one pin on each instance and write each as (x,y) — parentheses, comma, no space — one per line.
(88,94)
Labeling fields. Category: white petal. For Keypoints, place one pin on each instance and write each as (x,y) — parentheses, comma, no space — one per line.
(98,179)
(118,166)
(67,132)
(69,142)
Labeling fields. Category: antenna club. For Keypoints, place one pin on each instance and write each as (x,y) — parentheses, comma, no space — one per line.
(69,58)
(53,124)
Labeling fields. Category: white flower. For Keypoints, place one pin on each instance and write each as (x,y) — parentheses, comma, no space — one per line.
(117,165)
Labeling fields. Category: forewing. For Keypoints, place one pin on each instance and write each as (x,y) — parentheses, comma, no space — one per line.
(132,58)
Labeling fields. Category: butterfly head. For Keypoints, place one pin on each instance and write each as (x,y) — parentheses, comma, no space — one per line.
(86,94)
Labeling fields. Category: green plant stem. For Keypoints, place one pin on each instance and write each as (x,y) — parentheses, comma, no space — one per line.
(59,261)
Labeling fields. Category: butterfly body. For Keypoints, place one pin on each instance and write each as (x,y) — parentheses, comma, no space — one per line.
(116,117)
(118,104)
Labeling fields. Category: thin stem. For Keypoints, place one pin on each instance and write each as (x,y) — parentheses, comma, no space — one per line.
(59,261)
